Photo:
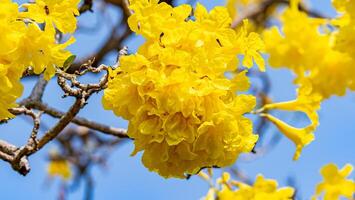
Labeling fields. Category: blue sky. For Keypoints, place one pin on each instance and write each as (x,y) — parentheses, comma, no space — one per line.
(126,177)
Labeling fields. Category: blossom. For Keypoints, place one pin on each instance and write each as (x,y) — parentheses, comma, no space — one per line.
(60,168)
(183,112)
(322,69)
(62,14)
(261,189)
(10,29)
(327,64)
(307,102)
(27,45)
(335,183)
(10,88)
(251,45)
(39,50)
(24,44)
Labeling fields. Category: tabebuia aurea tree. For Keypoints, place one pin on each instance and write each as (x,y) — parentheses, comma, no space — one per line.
(187,93)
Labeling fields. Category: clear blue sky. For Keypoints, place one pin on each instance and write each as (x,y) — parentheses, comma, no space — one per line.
(126,178)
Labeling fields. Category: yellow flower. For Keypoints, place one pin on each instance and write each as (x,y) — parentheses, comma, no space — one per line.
(251,46)
(10,89)
(60,168)
(307,102)
(60,13)
(344,40)
(261,189)
(321,69)
(39,50)
(183,112)
(327,63)
(335,183)
(24,45)
(289,49)
(11,29)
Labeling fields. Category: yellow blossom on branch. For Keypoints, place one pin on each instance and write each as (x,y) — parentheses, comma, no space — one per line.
(10,86)
(327,64)
(307,102)
(183,112)
(322,69)
(261,189)
(10,89)
(39,50)
(61,13)
(25,45)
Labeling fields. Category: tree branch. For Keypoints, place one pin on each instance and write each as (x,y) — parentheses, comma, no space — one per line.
(117,132)
(17,157)
(252,12)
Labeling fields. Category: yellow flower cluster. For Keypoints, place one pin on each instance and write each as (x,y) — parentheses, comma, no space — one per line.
(60,168)
(346,25)
(329,71)
(323,68)
(183,111)
(262,189)
(335,184)
(24,44)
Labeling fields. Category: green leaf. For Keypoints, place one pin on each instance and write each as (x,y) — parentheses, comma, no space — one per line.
(68,62)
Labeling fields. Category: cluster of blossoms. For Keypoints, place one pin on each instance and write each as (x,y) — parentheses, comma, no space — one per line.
(26,45)
(322,69)
(183,112)
(326,64)
(227,189)
(345,24)
(336,185)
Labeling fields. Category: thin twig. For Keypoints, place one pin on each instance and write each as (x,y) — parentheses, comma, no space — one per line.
(117,132)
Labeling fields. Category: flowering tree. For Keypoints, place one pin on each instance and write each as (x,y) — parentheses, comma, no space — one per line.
(188,92)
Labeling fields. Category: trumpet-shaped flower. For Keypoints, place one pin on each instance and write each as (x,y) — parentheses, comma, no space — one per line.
(306,102)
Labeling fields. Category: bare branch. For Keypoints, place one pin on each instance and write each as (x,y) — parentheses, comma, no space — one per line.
(7,148)
(63,122)
(17,157)
(114,41)
(37,91)
(5,157)
(252,12)
(8,152)
(117,132)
